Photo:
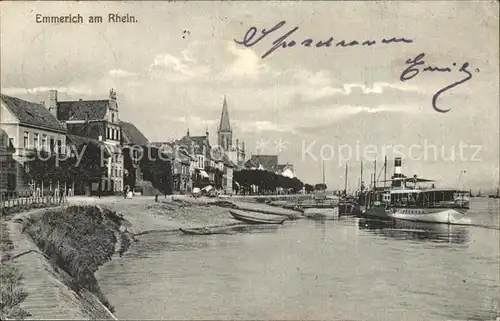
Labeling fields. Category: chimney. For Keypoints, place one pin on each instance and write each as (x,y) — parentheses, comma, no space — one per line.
(187,134)
(243,146)
(237,143)
(396,179)
(52,103)
(397,166)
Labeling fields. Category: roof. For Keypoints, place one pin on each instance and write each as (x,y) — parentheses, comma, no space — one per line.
(267,161)
(82,109)
(197,141)
(226,161)
(32,114)
(132,135)
(224,125)
(78,140)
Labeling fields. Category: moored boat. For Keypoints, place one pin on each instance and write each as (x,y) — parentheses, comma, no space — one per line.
(404,200)
(247,217)
(320,207)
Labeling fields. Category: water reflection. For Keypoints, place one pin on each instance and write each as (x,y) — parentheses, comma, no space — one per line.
(440,233)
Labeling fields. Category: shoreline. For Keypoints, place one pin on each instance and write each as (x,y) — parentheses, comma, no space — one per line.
(49,287)
(48,280)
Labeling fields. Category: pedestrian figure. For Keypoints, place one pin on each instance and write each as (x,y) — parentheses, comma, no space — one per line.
(61,194)
(156,198)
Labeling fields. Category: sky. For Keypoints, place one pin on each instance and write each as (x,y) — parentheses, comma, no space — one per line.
(310,105)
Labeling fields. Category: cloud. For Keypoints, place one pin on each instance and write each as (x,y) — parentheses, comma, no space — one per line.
(77,90)
(312,86)
(261,126)
(247,64)
(119,73)
(173,68)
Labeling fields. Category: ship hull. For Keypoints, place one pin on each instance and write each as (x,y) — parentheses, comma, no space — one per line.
(431,215)
(377,212)
(322,212)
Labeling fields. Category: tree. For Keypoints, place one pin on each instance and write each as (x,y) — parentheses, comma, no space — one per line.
(157,168)
(45,168)
(320,187)
(266,181)
(309,188)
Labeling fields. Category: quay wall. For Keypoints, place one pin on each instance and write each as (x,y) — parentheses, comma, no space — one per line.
(57,266)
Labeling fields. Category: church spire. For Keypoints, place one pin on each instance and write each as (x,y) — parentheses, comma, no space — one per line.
(224,125)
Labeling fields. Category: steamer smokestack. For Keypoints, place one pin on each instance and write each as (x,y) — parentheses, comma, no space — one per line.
(397,167)
(396,178)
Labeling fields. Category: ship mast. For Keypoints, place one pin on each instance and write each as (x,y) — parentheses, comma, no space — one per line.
(345,180)
(375,174)
(323,170)
(361,177)
(385,171)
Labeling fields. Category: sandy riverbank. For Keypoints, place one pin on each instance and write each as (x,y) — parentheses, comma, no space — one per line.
(172,212)
(48,257)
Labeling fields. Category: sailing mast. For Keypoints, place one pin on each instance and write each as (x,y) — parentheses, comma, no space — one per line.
(323,169)
(385,171)
(375,174)
(361,177)
(345,180)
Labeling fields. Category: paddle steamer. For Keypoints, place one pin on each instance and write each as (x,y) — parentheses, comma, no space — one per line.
(405,199)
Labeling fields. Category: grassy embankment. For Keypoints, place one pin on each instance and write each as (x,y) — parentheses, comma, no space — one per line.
(11,287)
(79,239)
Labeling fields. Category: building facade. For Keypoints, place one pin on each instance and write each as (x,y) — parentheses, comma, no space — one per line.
(182,166)
(95,119)
(25,127)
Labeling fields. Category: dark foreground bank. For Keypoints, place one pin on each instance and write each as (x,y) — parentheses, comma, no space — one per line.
(77,240)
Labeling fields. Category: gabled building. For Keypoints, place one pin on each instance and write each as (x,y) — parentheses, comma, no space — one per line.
(263,162)
(199,148)
(24,128)
(99,120)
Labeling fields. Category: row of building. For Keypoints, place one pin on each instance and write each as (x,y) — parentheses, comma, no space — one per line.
(54,126)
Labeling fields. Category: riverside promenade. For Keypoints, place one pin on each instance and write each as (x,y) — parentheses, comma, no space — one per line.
(47,294)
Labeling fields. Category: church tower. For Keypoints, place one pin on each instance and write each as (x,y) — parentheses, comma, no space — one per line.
(225,132)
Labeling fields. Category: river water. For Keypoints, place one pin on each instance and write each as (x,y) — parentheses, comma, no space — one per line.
(345,269)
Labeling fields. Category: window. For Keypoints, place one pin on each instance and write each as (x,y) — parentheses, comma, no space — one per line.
(113,117)
(108,132)
(59,146)
(52,144)
(11,142)
(35,140)
(44,142)
(26,139)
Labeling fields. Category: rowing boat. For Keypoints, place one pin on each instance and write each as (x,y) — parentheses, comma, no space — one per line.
(245,216)
(227,229)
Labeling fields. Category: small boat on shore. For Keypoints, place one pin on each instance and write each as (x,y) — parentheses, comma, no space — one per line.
(197,231)
(247,217)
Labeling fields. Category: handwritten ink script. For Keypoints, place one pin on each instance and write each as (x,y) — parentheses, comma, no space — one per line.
(251,38)
(413,70)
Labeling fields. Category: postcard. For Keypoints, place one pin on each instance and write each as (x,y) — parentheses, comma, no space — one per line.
(248,160)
